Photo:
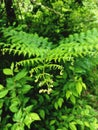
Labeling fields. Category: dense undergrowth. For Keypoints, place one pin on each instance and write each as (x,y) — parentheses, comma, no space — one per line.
(47,87)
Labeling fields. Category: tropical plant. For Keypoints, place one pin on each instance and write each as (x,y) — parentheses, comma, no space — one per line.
(59,76)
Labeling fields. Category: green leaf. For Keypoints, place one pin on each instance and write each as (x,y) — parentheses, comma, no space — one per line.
(20,75)
(15,101)
(3,93)
(72,126)
(28,108)
(31,117)
(56,105)
(1,103)
(64,117)
(79,122)
(73,100)
(68,94)
(14,104)
(17,116)
(12,66)
(52,122)
(71,118)
(34,116)
(8,126)
(79,87)
(26,88)
(17,126)
(7,71)
(42,113)
(1,86)
(13,108)
(84,85)
(60,102)
(86,124)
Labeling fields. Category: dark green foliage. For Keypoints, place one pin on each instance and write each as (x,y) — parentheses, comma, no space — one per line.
(53,84)
(89,37)
(48,85)
(15,111)
(52,19)
(57,19)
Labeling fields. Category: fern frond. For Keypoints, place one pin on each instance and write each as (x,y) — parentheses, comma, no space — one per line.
(24,50)
(91,36)
(38,53)
(21,43)
(20,37)
(28,62)
(68,51)
(45,66)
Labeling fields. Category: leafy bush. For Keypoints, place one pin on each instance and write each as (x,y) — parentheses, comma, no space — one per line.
(15,112)
(56,19)
(51,89)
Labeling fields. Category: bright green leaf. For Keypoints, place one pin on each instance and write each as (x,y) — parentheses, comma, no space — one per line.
(68,94)
(17,126)
(79,87)
(72,126)
(70,118)
(13,108)
(86,124)
(1,86)
(20,75)
(56,105)
(7,71)
(73,100)
(52,122)
(26,88)
(3,93)
(17,116)
(79,122)
(84,85)
(60,102)
(14,104)
(30,118)
(34,116)
(28,108)
(12,66)
(64,117)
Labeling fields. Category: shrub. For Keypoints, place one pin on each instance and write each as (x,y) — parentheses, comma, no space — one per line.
(50,89)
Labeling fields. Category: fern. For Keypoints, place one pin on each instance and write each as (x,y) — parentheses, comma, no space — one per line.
(28,62)
(19,37)
(24,44)
(42,58)
(24,50)
(76,45)
(91,36)
(68,51)
(21,43)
